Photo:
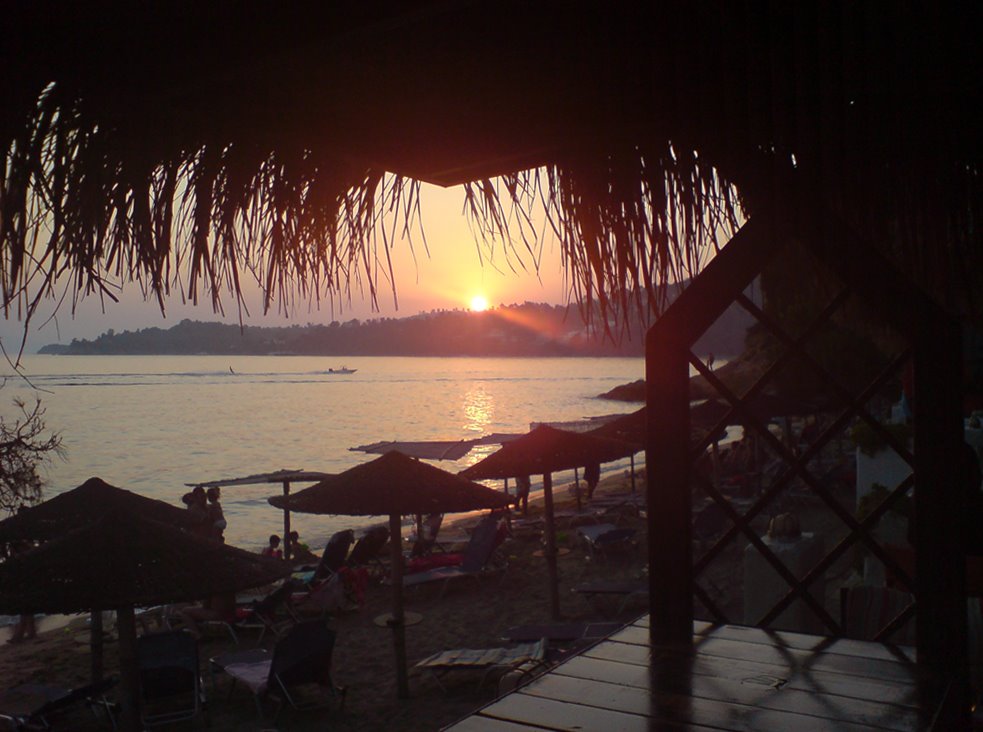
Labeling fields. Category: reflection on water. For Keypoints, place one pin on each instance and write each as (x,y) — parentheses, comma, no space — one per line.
(152,424)
(479,410)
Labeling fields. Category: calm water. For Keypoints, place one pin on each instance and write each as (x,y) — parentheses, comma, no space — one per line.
(150,424)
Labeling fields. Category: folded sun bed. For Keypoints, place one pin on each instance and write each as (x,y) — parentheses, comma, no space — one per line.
(487,659)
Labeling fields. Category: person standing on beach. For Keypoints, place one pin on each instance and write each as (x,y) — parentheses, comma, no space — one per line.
(592,476)
(216,517)
(25,629)
(522,486)
(197,504)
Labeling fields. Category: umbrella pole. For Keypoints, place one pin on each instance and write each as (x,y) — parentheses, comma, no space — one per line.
(129,670)
(95,644)
(576,488)
(632,459)
(286,520)
(550,552)
(397,623)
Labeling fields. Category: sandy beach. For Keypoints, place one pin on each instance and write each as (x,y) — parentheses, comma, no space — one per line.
(471,614)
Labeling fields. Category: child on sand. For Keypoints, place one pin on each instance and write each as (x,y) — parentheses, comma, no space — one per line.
(273,548)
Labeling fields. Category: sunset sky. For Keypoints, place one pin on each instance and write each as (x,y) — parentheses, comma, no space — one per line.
(452,276)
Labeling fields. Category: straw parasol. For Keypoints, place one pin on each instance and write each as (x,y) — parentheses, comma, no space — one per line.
(395,485)
(79,506)
(121,561)
(544,451)
(265,165)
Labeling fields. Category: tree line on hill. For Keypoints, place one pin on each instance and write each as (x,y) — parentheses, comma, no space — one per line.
(528,329)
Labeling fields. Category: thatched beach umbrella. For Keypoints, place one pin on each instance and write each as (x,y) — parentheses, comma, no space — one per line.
(81,506)
(394,485)
(544,451)
(77,507)
(122,561)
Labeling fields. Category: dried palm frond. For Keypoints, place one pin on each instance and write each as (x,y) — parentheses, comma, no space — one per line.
(647,132)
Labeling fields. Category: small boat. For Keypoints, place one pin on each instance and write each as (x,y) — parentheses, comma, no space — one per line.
(342,370)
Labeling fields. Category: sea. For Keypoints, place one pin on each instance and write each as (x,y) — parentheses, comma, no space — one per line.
(154,424)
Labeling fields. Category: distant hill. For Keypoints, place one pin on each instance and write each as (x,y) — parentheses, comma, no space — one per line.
(529,329)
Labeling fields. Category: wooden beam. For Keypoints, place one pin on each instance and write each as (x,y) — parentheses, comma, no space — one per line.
(668,490)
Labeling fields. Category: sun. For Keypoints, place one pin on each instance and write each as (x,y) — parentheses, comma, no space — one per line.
(479,303)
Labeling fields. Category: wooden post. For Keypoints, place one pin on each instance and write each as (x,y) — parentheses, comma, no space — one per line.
(667,456)
(95,644)
(286,521)
(398,623)
(129,670)
(550,551)
(940,564)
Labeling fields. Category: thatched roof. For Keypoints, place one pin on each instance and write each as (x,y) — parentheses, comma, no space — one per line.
(392,484)
(548,450)
(188,145)
(122,560)
(82,505)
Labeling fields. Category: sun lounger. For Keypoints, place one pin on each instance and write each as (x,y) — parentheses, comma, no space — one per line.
(367,550)
(485,659)
(603,539)
(35,706)
(475,559)
(335,553)
(626,589)
(559,632)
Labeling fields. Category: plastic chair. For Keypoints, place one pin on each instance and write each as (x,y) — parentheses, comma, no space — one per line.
(170,678)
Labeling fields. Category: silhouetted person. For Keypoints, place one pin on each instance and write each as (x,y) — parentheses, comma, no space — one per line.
(522,487)
(592,476)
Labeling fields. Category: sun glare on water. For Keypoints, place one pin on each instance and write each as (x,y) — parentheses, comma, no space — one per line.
(479,303)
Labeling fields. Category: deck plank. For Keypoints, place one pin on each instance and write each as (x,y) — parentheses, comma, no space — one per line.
(798,661)
(639,635)
(892,693)
(748,715)
(730,679)
(756,690)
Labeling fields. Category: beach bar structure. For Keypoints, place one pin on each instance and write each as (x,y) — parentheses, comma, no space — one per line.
(654,132)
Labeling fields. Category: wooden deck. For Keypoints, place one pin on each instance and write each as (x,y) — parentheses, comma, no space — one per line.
(732,678)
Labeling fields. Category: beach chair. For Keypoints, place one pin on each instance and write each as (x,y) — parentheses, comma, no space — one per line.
(367,550)
(560,632)
(170,678)
(49,706)
(426,542)
(627,590)
(474,561)
(531,656)
(269,614)
(335,554)
(604,540)
(301,660)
